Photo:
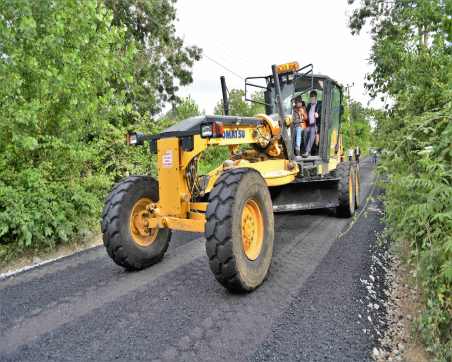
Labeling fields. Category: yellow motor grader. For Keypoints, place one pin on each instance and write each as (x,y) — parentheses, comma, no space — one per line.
(233,205)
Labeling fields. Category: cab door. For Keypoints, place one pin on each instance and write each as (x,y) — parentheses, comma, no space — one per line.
(335,121)
(330,121)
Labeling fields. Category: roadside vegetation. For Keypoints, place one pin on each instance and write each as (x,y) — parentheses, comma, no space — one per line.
(75,76)
(411,56)
(356,127)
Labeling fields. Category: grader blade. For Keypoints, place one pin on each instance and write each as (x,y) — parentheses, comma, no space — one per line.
(305,195)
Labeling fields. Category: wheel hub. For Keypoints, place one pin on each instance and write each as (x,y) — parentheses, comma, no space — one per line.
(252,230)
(139,230)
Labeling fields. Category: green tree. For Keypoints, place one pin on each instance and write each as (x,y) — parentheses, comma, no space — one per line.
(239,107)
(411,50)
(59,61)
(412,59)
(356,127)
(186,108)
(162,62)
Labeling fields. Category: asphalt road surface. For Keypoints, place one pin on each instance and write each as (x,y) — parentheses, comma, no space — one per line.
(86,308)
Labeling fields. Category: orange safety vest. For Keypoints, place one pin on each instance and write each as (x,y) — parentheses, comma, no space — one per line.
(303,116)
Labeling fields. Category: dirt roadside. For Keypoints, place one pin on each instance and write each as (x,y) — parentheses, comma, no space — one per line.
(401,342)
(32,259)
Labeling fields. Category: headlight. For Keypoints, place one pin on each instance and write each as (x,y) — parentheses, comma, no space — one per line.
(214,130)
(135,138)
(206,131)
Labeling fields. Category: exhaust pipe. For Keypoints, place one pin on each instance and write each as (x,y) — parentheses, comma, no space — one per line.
(224,91)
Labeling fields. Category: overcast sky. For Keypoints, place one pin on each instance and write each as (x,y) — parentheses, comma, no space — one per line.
(247,36)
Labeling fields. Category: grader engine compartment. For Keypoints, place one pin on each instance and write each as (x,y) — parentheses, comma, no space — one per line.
(179,147)
(233,204)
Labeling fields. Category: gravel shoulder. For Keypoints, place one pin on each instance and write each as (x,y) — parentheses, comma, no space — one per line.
(400,340)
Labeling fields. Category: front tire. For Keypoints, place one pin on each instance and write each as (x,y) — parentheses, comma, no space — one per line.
(240,230)
(127,240)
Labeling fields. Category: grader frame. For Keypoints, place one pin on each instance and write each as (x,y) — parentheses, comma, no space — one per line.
(252,184)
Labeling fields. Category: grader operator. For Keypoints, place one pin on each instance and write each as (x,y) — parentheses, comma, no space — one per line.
(233,205)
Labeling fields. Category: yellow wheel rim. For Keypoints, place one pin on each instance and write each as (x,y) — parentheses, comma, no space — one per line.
(350,189)
(141,234)
(252,229)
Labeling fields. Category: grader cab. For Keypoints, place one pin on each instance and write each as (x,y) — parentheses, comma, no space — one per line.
(234,204)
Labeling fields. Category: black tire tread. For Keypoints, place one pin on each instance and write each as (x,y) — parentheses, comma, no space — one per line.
(342,172)
(110,225)
(357,192)
(218,222)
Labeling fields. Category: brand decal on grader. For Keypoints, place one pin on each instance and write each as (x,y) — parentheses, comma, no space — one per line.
(234,133)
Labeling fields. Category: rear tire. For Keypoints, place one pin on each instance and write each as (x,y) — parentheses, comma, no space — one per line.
(125,245)
(357,188)
(240,230)
(346,189)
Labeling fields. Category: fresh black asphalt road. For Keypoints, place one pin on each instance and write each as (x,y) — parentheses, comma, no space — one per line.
(85,308)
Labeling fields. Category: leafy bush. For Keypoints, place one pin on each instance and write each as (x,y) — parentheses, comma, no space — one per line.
(57,64)
(419,209)
(75,76)
(213,157)
(411,55)
(356,129)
